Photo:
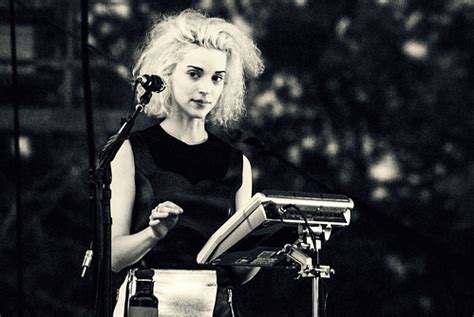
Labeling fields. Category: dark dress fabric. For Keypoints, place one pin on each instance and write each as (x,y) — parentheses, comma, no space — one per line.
(203,179)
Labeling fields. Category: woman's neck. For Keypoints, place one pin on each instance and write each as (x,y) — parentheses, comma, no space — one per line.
(187,131)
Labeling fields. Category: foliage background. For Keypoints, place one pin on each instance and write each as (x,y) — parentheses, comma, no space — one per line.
(369,97)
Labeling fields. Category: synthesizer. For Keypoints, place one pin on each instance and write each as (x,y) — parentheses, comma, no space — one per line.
(253,235)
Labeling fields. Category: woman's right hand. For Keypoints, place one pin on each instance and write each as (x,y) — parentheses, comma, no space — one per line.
(163,218)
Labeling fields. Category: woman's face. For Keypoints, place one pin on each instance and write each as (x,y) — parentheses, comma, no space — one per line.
(197,81)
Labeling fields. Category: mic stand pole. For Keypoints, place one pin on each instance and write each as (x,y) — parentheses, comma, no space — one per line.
(102,179)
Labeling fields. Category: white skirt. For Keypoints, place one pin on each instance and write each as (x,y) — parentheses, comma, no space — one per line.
(179,293)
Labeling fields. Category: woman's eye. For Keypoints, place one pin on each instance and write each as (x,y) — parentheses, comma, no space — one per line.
(218,79)
(193,75)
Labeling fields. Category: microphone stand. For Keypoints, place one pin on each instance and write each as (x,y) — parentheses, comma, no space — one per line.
(101,194)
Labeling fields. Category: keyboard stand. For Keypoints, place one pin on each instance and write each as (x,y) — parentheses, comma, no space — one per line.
(305,252)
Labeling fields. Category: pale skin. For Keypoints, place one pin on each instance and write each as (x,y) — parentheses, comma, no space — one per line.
(196,85)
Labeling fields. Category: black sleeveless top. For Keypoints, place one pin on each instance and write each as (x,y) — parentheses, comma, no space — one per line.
(203,179)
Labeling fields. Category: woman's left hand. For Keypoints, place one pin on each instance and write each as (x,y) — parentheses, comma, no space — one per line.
(163,218)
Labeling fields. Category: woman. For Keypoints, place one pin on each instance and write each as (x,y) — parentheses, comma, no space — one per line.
(174,184)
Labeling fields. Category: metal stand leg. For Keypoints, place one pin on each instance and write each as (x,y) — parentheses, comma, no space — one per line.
(315,293)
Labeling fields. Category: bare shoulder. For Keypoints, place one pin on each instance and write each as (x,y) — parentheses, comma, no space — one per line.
(246,161)
(124,160)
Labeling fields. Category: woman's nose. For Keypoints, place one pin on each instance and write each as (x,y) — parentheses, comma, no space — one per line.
(205,87)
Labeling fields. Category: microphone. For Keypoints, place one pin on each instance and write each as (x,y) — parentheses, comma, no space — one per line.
(152,83)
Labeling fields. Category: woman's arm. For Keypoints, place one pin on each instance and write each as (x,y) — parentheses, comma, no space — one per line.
(244,193)
(242,197)
(127,248)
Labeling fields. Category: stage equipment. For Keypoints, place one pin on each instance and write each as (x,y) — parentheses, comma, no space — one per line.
(280,230)
(100,193)
(152,83)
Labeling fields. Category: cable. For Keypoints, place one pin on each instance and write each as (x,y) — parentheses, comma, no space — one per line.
(310,231)
(316,253)
(86,84)
(325,297)
(86,88)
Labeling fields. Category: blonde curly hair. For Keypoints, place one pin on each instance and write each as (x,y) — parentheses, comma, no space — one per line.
(173,36)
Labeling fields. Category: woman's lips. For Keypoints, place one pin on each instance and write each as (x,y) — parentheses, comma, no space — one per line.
(201,103)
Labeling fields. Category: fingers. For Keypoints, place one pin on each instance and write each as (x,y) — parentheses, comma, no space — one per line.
(171,219)
(153,223)
(155,214)
(169,207)
(163,218)
(164,210)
